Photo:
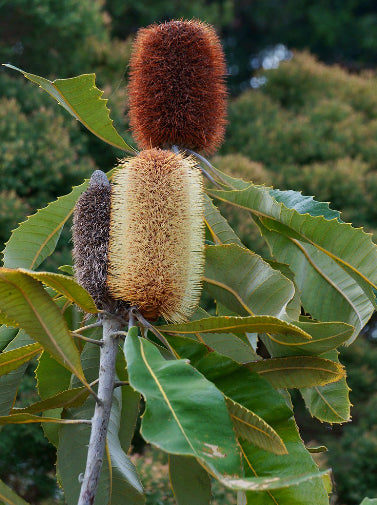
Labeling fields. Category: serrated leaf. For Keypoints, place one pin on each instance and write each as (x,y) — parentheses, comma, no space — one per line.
(83,100)
(257,324)
(325,337)
(7,334)
(67,269)
(244,283)
(298,371)
(218,226)
(253,428)
(67,287)
(30,418)
(9,497)
(66,399)
(317,450)
(294,306)
(189,481)
(36,238)
(11,360)
(304,204)
(120,483)
(52,378)
(9,383)
(256,394)
(24,300)
(329,403)
(306,241)
(185,414)
(228,344)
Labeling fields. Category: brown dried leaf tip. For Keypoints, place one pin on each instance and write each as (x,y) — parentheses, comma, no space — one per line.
(177,93)
(156,247)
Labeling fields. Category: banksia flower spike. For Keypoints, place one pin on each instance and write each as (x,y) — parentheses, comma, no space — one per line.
(90,233)
(177,93)
(140,241)
(156,247)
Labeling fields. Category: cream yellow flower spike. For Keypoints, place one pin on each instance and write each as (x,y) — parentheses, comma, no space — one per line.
(156,244)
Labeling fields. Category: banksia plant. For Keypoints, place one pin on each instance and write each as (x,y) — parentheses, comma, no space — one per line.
(90,233)
(177,94)
(141,240)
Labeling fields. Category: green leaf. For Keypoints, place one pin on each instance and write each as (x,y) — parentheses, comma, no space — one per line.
(326,288)
(227,344)
(130,405)
(251,427)
(7,321)
(314,245)
(67,287)
(244,283)
(317,450)
(120,483)
(325,337)
(36,238)
(82,99)
(218,226)
(52,378)
(304,204)
(11,360)
(67,269)
(69,398)
(24,300)
(369,501)
(30,418)
(329,403)
(294,306)
(257,395)
(7,334)
(185,414)
(252,324)
(190,483)
(298,371)
(9,497)
(9,383)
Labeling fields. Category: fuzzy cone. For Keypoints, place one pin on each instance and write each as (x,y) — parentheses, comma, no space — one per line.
(90,235)
(156,245)
(177,93)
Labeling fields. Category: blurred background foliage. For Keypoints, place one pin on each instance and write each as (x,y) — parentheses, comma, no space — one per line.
(302,115)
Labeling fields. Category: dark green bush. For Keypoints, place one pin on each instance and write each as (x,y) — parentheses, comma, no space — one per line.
(38,160)
(353,458)
(12,211)
(27,459)
(51,37)
(314,128)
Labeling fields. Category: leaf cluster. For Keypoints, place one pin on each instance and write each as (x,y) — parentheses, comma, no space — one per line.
(214,402)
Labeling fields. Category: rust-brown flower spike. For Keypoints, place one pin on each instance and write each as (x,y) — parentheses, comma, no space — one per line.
(177,93)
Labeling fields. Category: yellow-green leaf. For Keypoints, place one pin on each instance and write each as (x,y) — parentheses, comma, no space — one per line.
(24,299)
(11,360)
(67,287)
(298,371)
(253,428)
(83,100)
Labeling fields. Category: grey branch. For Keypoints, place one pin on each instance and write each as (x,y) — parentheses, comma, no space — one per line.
(100,420)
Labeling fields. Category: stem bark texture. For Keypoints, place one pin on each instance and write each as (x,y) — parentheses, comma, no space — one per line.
(100,420)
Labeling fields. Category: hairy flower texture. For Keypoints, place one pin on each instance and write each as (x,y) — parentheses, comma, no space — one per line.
(177,93)
(156,248)
(90,233)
